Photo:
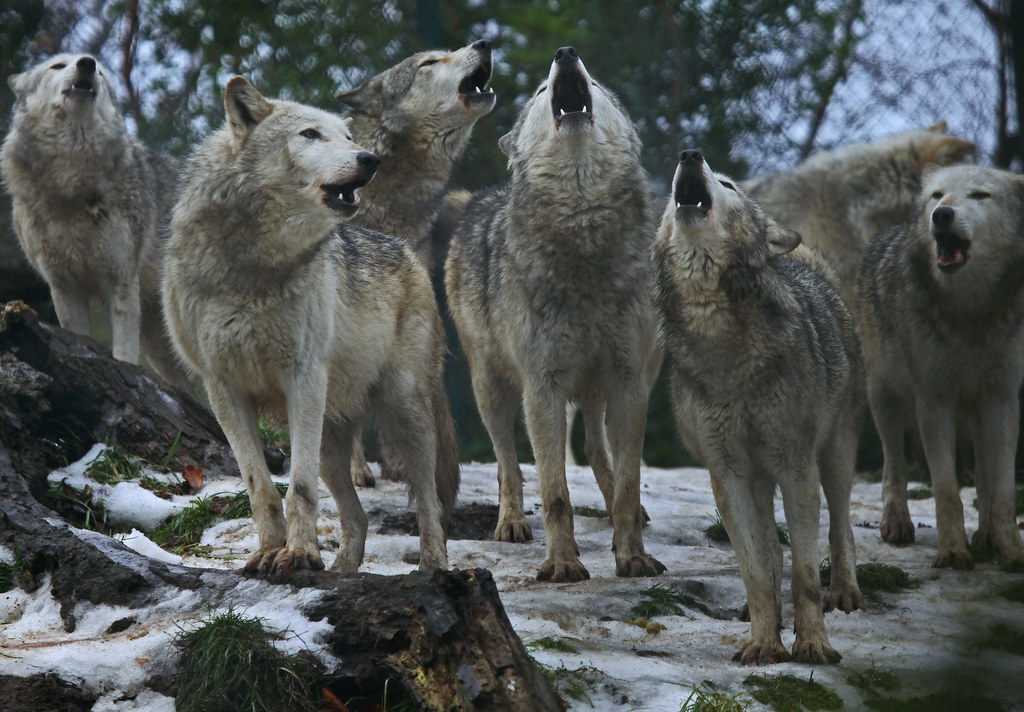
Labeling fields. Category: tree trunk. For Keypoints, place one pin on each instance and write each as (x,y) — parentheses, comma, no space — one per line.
(442,636)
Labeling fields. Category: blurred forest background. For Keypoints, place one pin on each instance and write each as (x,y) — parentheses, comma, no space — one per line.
(757,84)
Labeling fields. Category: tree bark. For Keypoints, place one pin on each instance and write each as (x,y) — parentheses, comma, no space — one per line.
(441,636)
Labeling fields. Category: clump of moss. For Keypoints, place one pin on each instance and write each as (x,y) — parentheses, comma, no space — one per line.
(949,700)
(874,681)
(703,699)
(561,645)
(874,577)
(230,663)
(919,493)
(1013,592)
(1002,637)
(591,512)
(786,693)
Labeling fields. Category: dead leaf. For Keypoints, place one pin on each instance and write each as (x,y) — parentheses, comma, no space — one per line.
(194,476)
(142,661)
(331,703)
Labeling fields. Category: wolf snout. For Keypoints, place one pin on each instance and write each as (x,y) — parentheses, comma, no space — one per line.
(566,55)
(943,216)
(691,156)
(369,162)
(483,46)
(86,65)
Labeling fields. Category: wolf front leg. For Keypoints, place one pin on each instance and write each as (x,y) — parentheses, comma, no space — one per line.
(335,461)
(937,423)
(307,402)
(627,417)
(892,415)
(236,414)
(72,307)
(995,430)
(125,315)
(545,424)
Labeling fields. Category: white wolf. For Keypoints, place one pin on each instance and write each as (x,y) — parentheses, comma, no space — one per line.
(283,312)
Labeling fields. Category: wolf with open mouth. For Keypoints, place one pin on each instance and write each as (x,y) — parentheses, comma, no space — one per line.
(941,311)
(285,313)
(548,280)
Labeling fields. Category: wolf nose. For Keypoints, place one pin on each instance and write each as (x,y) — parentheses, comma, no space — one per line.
(368,160)
(482,45)
(943,217)
(86,65)
(691,155)
(566,54)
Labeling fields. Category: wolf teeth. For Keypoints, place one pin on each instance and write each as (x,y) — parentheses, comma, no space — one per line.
(478,90)
(584,108)
(561,112)
(700,203)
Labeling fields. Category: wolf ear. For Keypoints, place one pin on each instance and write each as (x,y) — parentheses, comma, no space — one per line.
(505,144)
(15,81)
(948,150)
(245,107)
(782,240)
(939,127)
(366,99)
(928,169)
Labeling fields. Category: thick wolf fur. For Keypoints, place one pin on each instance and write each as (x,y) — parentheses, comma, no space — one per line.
(417,117)
(90,204)
(837,200)
(766,383)
(942,324)
(548,279)
(281,312)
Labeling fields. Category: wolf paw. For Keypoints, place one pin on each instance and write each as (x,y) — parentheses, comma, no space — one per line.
(953,559)
(563,571)
(847,600)
(287,560)
(642,565)
(815,652)
(765,653)
(392,470)
(362,476)
(515,531)
(897,529)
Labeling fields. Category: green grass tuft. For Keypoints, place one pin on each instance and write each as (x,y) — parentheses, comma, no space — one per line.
(77,506)
(716,530)
(114,465)
(660,600)
(919,493)
(1002,637)
(874,577)
(8,574)
(702,699)
(1014,592)
(874,681)
(230,663)
(591,512)
(275,437)
(561,645)
(575,683)
(945,701)
(182,532)
(786,693)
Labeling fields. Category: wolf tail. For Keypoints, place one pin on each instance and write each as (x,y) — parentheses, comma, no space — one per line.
(446,466)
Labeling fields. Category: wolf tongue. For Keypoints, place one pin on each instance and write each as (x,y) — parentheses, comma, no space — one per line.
(957,257)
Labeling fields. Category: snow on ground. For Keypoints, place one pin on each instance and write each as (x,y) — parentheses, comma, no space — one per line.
(926,636)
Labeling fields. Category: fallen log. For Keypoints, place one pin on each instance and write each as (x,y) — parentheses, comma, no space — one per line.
(442,637)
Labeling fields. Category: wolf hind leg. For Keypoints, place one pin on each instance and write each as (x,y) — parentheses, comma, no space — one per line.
(995,438)
(335,460)
(72,307)
(891,417)
(237,417)
(125,316)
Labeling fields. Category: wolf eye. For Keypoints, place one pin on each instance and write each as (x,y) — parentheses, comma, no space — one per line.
(58,65)
(428,62)
(727,184)
(541,89)
(937,195)
(312,134)
(979,195)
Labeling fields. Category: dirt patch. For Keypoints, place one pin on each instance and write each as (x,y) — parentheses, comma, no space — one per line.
(42,693)
(469,521)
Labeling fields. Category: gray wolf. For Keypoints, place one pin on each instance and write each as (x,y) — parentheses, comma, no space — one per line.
(90,204)
(283,312)
(417,118)
(548,281)
(766,384)
(941,317)
(837,200)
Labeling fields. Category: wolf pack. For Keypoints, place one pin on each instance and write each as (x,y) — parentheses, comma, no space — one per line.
(283,271)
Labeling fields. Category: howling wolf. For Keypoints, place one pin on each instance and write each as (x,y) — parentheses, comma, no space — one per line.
(837,200)
(941,317)
(282,312)
(548,280)
(90,204)
(766,383)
